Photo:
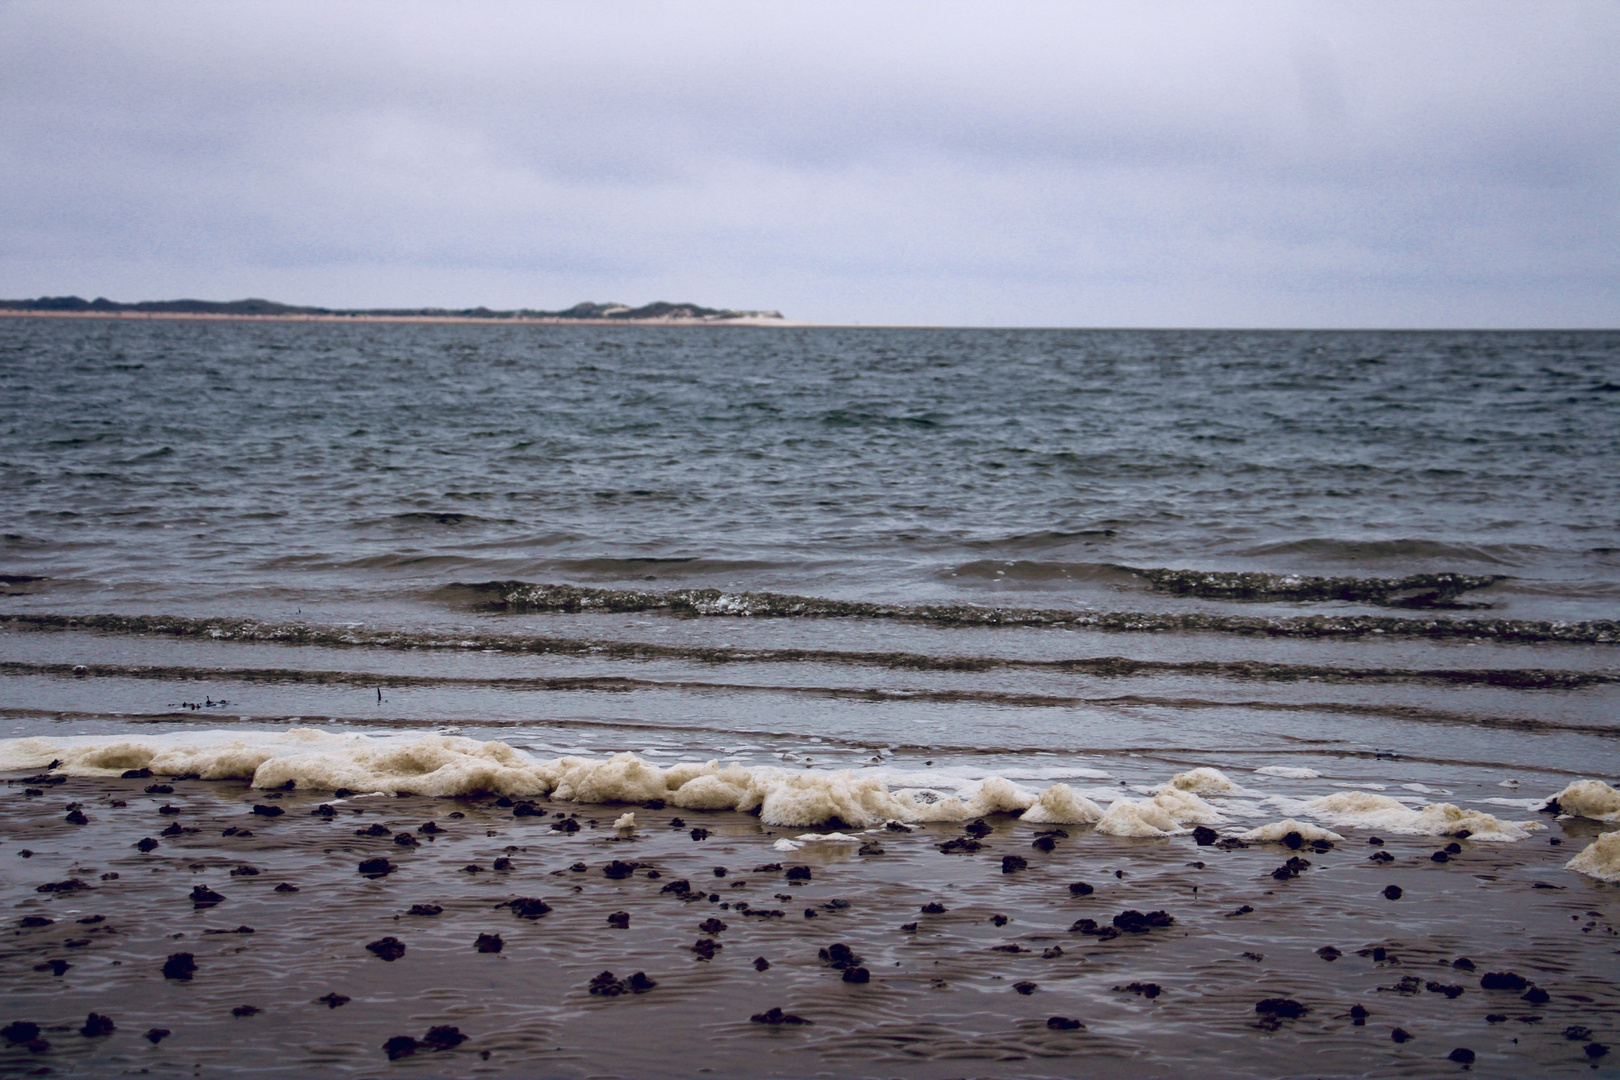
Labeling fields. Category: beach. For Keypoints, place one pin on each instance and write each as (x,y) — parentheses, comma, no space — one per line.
(564,701)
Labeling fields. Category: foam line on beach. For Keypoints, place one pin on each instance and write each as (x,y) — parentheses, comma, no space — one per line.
(449,765)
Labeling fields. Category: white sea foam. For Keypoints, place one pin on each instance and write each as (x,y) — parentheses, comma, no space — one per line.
(1204,781)
(625,821)
(1288,772)
(1590,799)
(1600,860)
(1277,830)
(440,765)
(1360,809)
(1169,813)
(1060,804)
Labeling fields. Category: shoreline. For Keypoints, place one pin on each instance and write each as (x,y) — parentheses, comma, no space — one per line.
(456,320)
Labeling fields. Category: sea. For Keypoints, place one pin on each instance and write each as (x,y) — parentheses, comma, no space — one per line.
(1002,550)
(948,564)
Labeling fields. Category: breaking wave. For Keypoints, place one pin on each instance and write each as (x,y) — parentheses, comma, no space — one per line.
(526,597)
(1413,591)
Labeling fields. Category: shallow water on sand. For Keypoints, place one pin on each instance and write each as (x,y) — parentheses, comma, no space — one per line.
(927,557)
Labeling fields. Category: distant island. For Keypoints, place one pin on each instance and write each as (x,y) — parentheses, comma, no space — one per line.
(660,313)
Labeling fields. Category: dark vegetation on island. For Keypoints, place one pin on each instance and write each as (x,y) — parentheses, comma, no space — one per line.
(585,311)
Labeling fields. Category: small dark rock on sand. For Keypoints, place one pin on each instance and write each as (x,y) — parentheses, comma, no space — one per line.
(1204,836)
(1392,892)
(839,956)
(146,843)
(1013,863)
(202,896)
(20,1031)
(706,947)
(387,948)
(1026,987)
(1535,996)
(1080,888)
(376,868)
(246,1010)
(400,1046)
(761,964)
(35,920)
(95,1025)
(70,885)
(1148,990)
(180,965)
(776,1016)
(1461,1055)
(268,811)
(1329,953)
(76,817)
(711,926)
(619,920)
(55,967)
(1358,1015)
(797,873)
(1131,921)
(1292,868)
(137,774)
(333,1001)
(527,907)
(425,910)
(606,985)
(857,975)
(489,943)
(700,833)
(1281,1008)
(1044,843)
(1090,927)
(1381,857)
(960,845)
(157,1035)
(1400,1035)
(933,907)
(1503,980)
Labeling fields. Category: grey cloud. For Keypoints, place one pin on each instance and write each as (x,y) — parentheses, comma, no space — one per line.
(1367,164)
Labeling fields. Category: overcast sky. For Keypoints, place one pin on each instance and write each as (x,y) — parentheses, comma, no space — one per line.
(1127,164)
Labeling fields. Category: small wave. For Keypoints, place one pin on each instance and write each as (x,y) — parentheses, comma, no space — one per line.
(1366,551)
(246,630)
(1045,539)
(522,596)
(1037,571)
(1417,591)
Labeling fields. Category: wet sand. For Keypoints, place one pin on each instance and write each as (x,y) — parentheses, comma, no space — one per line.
(952,992)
